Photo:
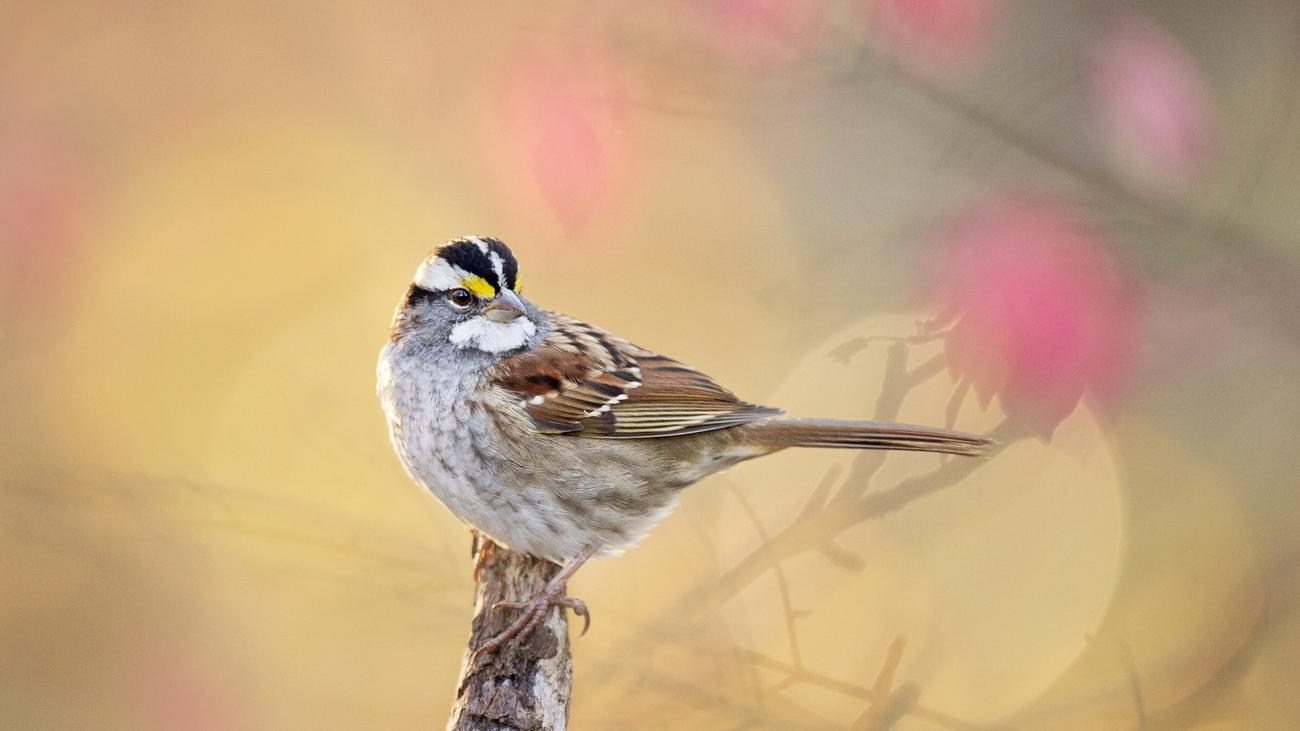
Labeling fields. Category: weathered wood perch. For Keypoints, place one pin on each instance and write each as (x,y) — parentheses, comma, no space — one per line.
(525,685)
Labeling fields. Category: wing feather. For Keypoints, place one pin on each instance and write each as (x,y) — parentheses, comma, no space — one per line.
(583,381)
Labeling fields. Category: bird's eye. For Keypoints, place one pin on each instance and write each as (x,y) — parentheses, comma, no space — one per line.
(460,297)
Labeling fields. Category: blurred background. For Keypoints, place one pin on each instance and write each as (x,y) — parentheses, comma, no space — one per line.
(1070,224)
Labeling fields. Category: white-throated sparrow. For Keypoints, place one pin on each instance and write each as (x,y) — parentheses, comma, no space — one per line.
(557,439)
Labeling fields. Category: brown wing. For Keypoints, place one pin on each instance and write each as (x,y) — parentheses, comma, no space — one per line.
(581,380)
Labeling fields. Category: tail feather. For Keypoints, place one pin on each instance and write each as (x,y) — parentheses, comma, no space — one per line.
(838,434)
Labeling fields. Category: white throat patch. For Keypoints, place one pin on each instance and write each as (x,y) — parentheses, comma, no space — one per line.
(493,337)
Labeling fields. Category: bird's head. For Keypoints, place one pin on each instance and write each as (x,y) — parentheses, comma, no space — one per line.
(466,294)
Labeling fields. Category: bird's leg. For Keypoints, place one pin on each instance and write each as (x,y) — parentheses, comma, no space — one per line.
(532,611)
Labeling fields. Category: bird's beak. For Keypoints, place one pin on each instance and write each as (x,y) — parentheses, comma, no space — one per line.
(507,307)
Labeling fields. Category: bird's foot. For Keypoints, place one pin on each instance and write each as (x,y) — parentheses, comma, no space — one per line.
(531,614)
(536,608)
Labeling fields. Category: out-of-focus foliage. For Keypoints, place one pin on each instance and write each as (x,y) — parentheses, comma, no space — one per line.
(1065,224)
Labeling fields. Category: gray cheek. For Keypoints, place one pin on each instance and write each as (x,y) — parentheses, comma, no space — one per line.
(429,325)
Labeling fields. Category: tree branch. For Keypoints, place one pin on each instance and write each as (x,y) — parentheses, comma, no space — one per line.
(526,684)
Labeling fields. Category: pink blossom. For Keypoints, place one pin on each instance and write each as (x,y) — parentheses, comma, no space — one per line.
(934,30)
(1040,310)
(1153,106)
(565,127)
(175,693)
(765,32)
(44,191)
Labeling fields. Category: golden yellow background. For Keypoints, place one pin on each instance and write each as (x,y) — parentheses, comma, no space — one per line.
(202,525)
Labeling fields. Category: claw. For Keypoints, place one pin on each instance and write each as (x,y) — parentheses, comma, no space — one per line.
(579,608)
(532,613)
(534,610)
(586,620)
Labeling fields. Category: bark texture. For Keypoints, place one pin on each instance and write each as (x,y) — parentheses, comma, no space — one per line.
(526,685)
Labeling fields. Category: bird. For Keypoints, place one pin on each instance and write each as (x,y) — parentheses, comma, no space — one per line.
(557,439)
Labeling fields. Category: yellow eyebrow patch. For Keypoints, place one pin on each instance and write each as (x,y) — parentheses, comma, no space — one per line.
(478,285)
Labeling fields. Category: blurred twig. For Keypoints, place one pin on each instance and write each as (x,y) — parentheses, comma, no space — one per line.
(787,606)
(825,516)
(1135,684)
(1259,264)
(877,695)
(835,505)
